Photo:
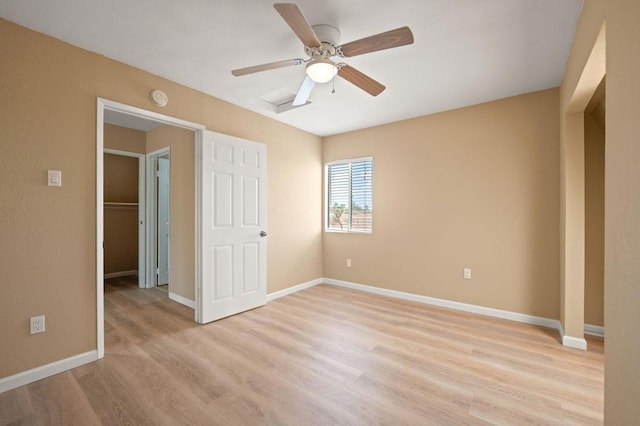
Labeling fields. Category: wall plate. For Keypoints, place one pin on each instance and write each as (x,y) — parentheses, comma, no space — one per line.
(54,178)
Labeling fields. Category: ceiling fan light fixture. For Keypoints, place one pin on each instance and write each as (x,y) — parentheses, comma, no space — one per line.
(321,70)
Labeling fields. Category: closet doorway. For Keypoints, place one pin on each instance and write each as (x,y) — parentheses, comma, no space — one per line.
(124,215)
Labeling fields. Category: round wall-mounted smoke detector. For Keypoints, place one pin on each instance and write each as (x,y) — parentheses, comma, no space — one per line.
(158,97)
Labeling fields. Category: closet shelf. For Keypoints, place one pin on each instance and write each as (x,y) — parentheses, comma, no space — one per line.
(116,205)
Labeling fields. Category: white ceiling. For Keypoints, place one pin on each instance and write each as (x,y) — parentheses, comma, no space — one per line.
(465,51)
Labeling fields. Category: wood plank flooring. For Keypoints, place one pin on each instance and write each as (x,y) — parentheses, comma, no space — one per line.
(322,356)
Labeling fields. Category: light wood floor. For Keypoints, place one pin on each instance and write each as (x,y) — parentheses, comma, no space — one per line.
(322,356)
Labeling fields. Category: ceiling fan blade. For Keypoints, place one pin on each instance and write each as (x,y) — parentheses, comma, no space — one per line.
(361,80)
(304,92)
(298,23)
(387,40)
(265,67)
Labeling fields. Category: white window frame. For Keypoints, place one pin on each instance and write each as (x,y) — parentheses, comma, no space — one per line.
(325,215)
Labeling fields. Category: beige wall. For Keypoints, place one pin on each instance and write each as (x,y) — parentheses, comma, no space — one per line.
(124,139)
(120,222)
(584,71)
(594,221)
(622,214)
(475,187)
(120,179)
(48,115)
(622,190)
(181,205)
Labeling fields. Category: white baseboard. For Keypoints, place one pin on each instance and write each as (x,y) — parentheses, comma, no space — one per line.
(594,330)
(38,373)
(120,274)
(491,312)
(287,291)
(572,342)
(182,300)
(44,371)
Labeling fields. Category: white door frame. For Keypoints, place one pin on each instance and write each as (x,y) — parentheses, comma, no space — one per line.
(101,105)
(152,185)
(142,236)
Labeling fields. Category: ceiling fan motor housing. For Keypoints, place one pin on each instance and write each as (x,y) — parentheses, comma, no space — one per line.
(329,38)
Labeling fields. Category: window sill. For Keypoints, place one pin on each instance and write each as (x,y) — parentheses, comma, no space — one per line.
(338,231)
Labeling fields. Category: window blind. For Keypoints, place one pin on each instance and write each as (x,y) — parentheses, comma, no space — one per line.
(350,195)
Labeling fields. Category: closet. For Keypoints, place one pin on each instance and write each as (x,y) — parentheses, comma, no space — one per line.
(120,215)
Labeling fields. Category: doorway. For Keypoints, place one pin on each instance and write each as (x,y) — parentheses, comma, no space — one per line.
(159,178)
(594,154)
(159,128)
(218,188)
(572,190)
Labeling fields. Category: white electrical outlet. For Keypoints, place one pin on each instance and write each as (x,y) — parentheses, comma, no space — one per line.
(466,273)
(348,263)
(37,324)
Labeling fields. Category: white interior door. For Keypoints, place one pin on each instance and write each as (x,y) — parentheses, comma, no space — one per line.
(234,247)
(163,221)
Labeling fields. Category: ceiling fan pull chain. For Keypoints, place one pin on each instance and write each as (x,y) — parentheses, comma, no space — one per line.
(333,82)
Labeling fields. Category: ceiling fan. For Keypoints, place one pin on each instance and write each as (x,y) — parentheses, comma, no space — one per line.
(321,44)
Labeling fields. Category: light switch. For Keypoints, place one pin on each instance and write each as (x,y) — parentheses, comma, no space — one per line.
(466,273)
(55,178)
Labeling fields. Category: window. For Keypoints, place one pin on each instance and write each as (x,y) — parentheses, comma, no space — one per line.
(348,196)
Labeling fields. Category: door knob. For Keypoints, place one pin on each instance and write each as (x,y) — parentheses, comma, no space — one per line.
(263,234)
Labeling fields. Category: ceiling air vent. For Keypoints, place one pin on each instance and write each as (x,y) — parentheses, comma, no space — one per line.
(281,100)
